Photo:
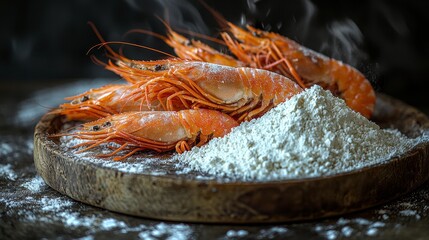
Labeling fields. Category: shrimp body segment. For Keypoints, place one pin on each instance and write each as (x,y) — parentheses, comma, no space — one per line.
(154,130)
(277,53)
(104,101)
(243,93)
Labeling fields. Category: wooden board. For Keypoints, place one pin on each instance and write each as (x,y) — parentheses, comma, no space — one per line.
(187,198)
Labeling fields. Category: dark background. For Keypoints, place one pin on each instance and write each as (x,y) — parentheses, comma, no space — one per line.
(47,40)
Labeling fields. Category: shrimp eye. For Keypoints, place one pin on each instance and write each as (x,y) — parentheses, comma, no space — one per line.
(95,128)
(158,67)
(256,34)
(107,124)
(84,98)
(186,42)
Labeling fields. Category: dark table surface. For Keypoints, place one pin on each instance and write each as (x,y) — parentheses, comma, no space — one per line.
(29,209)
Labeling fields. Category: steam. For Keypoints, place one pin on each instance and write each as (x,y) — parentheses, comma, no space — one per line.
(182,14)
(22,48)
(309,12)
(243,20)
(133,4)
(394,18)
(255,9)
(178,14)
(251,5)
(345,41)
(340,39)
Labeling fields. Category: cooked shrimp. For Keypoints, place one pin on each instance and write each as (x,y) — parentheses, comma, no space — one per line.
(243,93)
(196,50)
(277,53)
(160,131)
(184,48)
(107,100)
(191,49)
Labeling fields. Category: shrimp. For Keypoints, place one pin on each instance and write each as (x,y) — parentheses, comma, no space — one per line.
(107,100)
(183,47)
(243,93)
(274,52)
(196,50)
(160,131)
(277,53)
(191,49)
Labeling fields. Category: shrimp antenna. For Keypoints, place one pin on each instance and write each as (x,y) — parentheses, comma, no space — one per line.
(103,44)
(148,32)
(165,23)
(66,132)
(97,61)
(97,33)
(202,36)
(189,32)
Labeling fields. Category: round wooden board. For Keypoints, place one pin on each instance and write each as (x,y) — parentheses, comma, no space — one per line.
(187,198)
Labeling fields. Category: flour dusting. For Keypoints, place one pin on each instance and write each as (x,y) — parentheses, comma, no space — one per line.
(239,233)
(131,165)
(35,184)
(5,149)
(166,231)
(7,171)
(312,134)
(45,207)
(51,209)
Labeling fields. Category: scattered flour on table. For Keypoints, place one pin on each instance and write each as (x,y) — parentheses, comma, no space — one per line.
(411,208)
(236,233)
(49,209)
(5,149)
(35,184)
(7,171)
(271,232)
(312,134)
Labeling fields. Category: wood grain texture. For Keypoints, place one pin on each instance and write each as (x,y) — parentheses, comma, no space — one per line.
(179,198)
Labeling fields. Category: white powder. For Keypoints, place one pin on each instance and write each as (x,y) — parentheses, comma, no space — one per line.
(372,232)
(410,209)
(50,209)
(331,234)
(110,223)
(166,231)
(7,172)
(408,213)
(5,148)
(238,233)
(133,164)
(348,227)
(86,238)
(35,184)
(272,232)
(312,134)
(347,231)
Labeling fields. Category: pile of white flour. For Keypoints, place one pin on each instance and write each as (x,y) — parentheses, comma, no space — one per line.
(312,134)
